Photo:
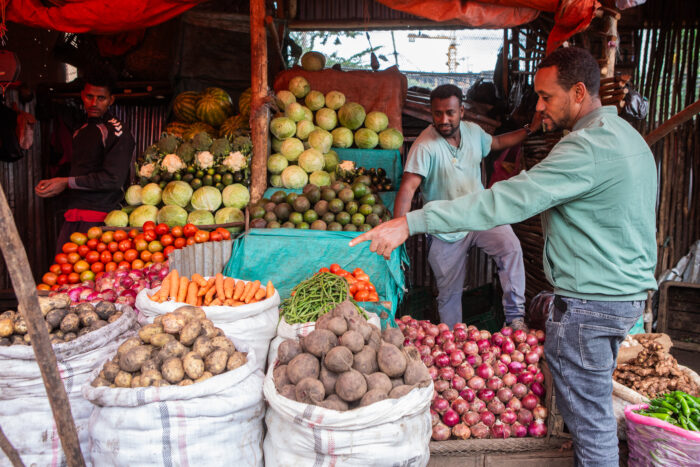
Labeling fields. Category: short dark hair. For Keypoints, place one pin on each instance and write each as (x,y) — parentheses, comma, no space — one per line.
(445,91)
(100,77)
(574,65)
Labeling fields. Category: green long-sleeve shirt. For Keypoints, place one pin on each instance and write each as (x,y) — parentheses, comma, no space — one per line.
(596,191)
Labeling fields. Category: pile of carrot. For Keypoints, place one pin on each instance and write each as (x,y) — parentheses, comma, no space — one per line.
(215,291)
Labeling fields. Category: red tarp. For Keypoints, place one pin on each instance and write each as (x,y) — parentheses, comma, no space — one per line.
(96,16)
(570,16)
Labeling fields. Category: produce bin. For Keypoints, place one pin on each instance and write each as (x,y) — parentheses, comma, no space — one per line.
(288,256)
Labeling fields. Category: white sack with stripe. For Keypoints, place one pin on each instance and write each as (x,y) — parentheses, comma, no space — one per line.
(25,413)
(214,422)
(392,432)
(253,325)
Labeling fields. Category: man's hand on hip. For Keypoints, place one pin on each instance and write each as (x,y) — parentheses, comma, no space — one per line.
(385,237)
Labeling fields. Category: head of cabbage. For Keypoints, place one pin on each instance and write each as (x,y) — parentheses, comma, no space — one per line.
(284,98)
(304,128)
(235,196)
(315,100)
(366,138)
(313,61)
(117,218)
(320,178)
(200,217)
(390,138)
(321,140)
(311,160)
(282,127)
(143,214)
(291,148)
(276,181)
(330,161)
(133,195)
(351,115)
(206,198)
(335,100)
(229,214)
(172,215)
(376,121)
(299,86)
(276,144)
(151,194)
(342,137)
(326,118)
(308,114)
(294,177)
(276,163)
(295,111)
(178,193)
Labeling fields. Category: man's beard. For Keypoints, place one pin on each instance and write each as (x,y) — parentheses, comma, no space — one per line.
(450,132)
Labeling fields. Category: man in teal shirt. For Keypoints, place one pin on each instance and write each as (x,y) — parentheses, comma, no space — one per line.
(596,191)
(445,161)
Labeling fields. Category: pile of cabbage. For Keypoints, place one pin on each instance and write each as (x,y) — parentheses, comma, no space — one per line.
(311,124)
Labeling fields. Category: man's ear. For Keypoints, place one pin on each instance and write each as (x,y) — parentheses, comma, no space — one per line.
(111,99)
(580,90)
(461,111)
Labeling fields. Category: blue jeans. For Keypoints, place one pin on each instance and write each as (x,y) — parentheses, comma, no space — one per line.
(581,351)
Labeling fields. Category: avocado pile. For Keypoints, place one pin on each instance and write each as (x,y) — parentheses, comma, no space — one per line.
(337,207)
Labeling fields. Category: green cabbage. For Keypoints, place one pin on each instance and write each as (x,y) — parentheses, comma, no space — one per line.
(133,195)
(201,217)
(206,198)
(235,196)
(178,193)
(172,215)
(294,177)
(276,163)
(117,218)
(151,194)
(143,214)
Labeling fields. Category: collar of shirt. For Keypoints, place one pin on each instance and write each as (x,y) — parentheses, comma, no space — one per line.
(586,120)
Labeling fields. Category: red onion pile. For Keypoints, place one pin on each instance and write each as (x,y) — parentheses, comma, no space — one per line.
(486,385)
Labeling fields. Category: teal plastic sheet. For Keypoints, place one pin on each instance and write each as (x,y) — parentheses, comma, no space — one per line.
(638,327)
(288,256)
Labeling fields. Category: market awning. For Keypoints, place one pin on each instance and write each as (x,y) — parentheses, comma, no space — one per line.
(570,16)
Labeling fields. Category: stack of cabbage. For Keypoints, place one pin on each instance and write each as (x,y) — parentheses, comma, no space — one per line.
(179,204)
(303,136)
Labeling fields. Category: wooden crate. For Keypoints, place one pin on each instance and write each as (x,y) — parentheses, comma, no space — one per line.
(679,314)
(552,457)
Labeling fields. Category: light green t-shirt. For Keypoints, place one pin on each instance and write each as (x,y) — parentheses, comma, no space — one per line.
(449,172)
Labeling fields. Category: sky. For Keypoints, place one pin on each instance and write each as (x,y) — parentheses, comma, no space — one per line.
(476,50)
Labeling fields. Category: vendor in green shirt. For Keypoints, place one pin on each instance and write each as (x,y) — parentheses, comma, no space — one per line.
(445,162)
(596,191)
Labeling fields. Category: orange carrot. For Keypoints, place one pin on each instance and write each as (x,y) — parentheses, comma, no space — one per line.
(270,290)
(210,283)
(182,289)
(229,285)
(236,303)
(216,302)
(191,298)
(239,290)
(260,294)
(251,293)
(164,289)
(209,296)
(199,300)
(219,282)
(246,291)
(174,284)
(199,280)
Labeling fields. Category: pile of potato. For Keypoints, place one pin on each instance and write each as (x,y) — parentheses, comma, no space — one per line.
(63,321)
(347,363)
(179,348)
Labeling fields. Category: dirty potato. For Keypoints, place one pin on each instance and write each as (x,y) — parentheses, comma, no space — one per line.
(110,371)
(223,343)
(134,358)
(172,370)
(193,365)
(114,317)
(21,326)
(208,329)
(173,349)
(215,362)
(190,332)
(237,359)
(123,379)
(173,323)
(160,339)
(7,327)
(204,377)
(54,317)
(105,310)
(202,346)
(148,331)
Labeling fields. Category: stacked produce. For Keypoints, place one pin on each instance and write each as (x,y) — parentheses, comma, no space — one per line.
(312,123)
(215,291)
(486,385)
(360,287)
(180,204)
(346,363)
(182,348)
(336,207)
(654,371)
(374,178)
(678,408)
(210,111)
(65,320)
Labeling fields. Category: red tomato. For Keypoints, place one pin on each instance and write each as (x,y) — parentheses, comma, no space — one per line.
(61,258)
(78,238)
(158,257)
(149,235)
(362,277)
(69,247)
(168,250)
(49,278)
(202,236)
(101,247)
(73,278)
(167,239)
(66,268)
(154,246)
(97,267)
(92,243)
(149,225)
(44,287)
(140,244)
(137,264)
(124,265)
(130,255)
(81,266)
(360,285)
(92,257)
(353,288)
(62,279)
(120,235)
(105,257)
(111,266)
(73,257)
(55,268)
(362,296)
(215,237)
(176,231)
(335,268)
(324,270)
(94,232)
(370,287)
(373,297)
(83,250)
(226,234)
(107,237)
(180,242)
(125,245)
(189,230)
(145,255)
(133,233)
(162,228)
(118,256)
(357,270)
(112,247)
(54,287)
(190,241)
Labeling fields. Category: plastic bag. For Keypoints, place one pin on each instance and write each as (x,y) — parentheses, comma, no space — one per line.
(636,106)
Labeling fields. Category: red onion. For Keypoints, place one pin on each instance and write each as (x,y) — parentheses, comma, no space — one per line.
(442,360)
(440,405)
(467,394)
(449,346)
(465,371)
(108,295)
(525,416)
(476,383)
(421,333)
(539,377)
(412,333)
(526,377)
(471,418)
(429,341)
(460,334)
(448,335)
(432,330)
(434,416)
(437,351)
(539,412)
(450,418)
(485,371)
(458,383)
(505,358)
(487,418)
(507,331)
(508,416)
(427,360)
(517,356)
(500,368)
(74,293)
(470,348)
(540,335)
(433,371)
(460,406)
(473,334)
(531,340)
(461,431)
(447,373)
(539,349)
(486,395)
(484,334)
(424,350)
(441,432)
(401,325)
(495,406)
(487,357)
(441,385)
(497,339)
(509,379)
(519,390)
(474,360)
(450,394)
(483,345)
(523,348)
(514,404)
(500,431)
(459,326)
(504,394)
(442,327)
(477,406)
(519,430)
(516,367)
(496,351)
(508,345)
(537,429)
(519,336)
(480,431)
(93,296)
(530,401)
(407,342)
(494,383)
(456,358)
(537,389)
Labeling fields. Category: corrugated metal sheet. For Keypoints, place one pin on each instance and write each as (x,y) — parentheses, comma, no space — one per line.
(349,10)
(146,121)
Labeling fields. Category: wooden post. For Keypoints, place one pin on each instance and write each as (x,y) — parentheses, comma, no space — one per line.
(259,111)
(25,289)
(10,451)
(610,42)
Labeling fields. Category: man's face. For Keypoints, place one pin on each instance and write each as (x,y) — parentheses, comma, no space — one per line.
(447,113)
(558,105)
(96,100)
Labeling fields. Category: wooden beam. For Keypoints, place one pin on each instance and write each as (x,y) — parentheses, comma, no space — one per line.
(25,289)
(361,24)
(259,111)
(669,125)
(10,451)
(226,21)
(610,43)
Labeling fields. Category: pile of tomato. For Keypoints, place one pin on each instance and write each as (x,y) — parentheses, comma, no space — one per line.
(361,288)
(87,256)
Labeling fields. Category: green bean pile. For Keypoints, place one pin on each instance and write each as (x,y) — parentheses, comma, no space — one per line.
(678,408)
(315,296)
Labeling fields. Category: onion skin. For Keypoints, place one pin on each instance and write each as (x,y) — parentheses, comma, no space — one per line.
(471,418)
(467,394)
(460,406)
(519,430)
(530,401)
(487,418)
(461,431)
(537,429)
(539,412)
(441,432)
(450,418)
(480,431)
(525,417)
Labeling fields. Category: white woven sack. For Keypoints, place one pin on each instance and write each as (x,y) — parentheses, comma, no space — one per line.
(387,433)
(253,325)
(215,422)
(25,413)
(296,331)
